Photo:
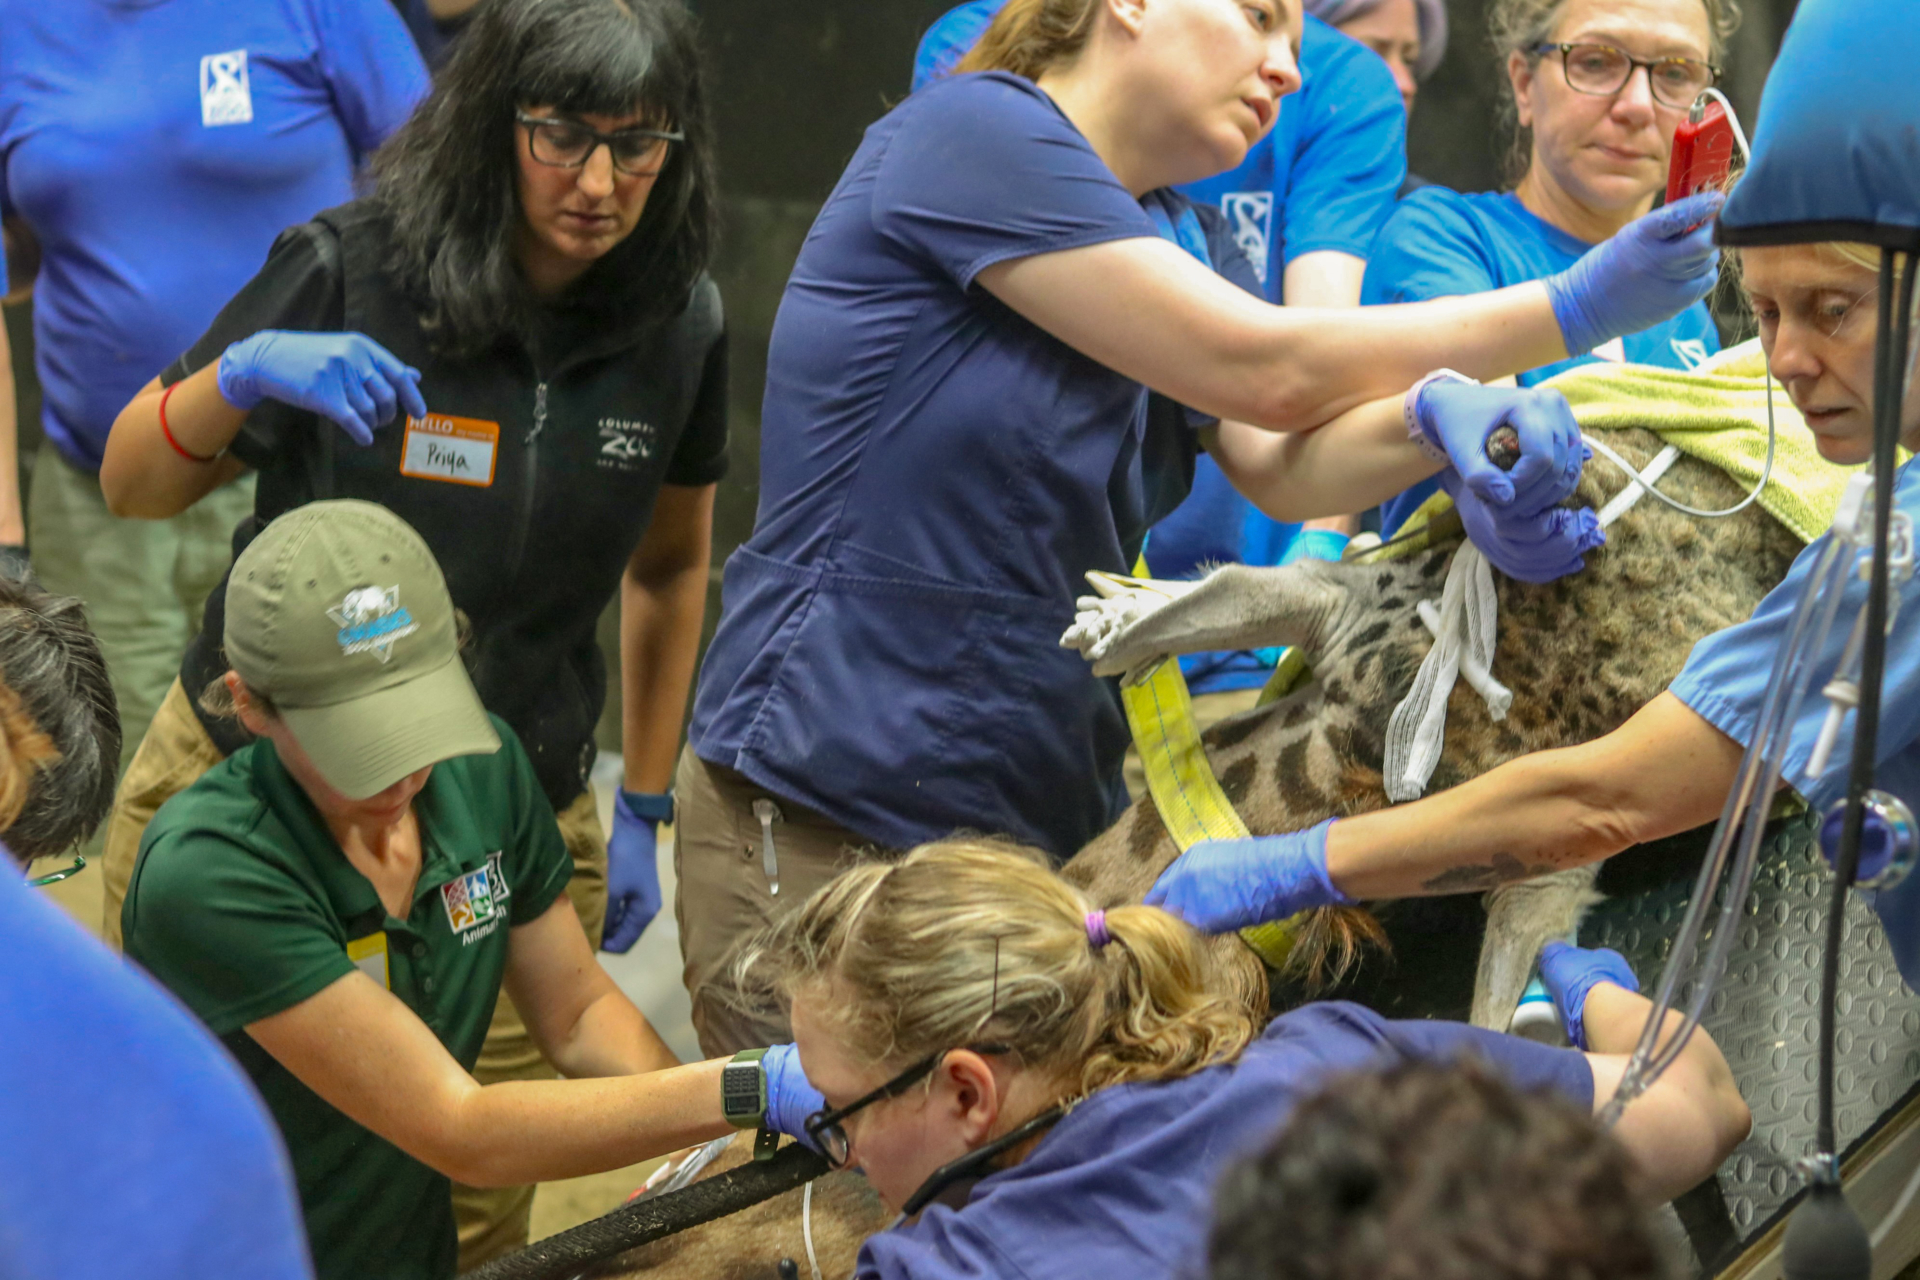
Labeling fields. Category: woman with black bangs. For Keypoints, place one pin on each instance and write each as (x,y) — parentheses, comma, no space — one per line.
(512,343)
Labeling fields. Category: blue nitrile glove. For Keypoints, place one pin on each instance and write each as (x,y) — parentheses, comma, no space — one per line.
(1571,973)
(1460,416)
(347,378)
(1532,547)
(1650,269)
(1219,885)
(633,869)
(791,1099)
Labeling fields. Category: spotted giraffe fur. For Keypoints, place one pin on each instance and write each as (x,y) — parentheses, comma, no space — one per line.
(1580,655)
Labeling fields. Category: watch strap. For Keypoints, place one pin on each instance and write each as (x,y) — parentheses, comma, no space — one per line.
(743,1089)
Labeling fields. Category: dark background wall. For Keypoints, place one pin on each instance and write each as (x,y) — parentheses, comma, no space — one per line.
(795,85)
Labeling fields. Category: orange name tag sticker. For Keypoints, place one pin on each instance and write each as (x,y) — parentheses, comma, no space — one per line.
(457,450)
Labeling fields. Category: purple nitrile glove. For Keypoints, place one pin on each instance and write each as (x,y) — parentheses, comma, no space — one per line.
(1219,885)
(1460,416)
(1654,267)
(1571,973)
(791,1099)
(347,378)
(633,870)
(1529,544)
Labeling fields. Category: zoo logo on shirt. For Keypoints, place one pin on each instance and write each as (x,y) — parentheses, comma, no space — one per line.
(626,443)
(476,898)
(1250,216)
(224,95)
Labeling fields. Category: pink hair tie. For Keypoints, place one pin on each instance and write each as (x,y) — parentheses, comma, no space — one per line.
(1097,929)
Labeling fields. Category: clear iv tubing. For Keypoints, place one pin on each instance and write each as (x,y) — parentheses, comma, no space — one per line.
(1742,820)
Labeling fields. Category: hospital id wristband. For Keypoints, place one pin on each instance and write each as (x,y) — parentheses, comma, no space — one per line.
(1410,410)
(743,1089)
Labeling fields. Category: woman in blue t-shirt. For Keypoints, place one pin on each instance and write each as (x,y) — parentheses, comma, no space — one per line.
(956,429)
(1597,89)
(1055,1090)
(1670,767)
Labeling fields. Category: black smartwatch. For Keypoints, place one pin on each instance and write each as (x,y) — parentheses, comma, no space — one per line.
(743,1089)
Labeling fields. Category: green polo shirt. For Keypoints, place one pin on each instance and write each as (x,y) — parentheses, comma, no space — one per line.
(243,905)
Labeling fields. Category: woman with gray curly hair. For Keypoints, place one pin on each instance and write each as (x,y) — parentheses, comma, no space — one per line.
(1595,90)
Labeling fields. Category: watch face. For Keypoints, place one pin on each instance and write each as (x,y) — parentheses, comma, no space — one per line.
(740,1089)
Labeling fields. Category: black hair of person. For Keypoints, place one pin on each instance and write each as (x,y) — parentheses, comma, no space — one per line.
(59,723)
(1429,1171)
(447,177)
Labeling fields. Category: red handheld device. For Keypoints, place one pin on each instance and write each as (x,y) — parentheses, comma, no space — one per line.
(1702,153)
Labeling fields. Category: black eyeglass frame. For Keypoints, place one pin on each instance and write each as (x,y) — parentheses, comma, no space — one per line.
(1564,47)
(535,123)
(822,1123)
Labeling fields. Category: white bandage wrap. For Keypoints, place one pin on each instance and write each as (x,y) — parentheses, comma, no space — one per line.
(1464,628)
(1410,410)
(1469,615)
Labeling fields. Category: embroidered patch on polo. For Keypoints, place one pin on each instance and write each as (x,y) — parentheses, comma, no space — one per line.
(476,897)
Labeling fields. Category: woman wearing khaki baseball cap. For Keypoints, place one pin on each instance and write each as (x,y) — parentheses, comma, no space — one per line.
(342,901)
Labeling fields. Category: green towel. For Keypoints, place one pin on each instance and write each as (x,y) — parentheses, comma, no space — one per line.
(1718,414)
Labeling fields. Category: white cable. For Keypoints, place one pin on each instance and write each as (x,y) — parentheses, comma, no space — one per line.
(806,1230)
(1766,472)
(1887,1223)
(1739,134)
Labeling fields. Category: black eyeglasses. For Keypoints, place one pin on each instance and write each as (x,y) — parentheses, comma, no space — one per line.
(1602,70)
(566,144)
(68,872)
(827,1128)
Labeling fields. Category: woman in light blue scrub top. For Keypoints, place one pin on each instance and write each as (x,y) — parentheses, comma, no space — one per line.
(1669,768)
(1598,130)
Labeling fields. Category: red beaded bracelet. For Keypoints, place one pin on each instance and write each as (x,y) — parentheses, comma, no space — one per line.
(167,431)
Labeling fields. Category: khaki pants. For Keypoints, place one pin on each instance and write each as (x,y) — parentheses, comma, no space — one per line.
(1209,709)
(145,582)
(724,895)
(176,751)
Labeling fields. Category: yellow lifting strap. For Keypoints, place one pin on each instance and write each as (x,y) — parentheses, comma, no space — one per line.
(1160,713)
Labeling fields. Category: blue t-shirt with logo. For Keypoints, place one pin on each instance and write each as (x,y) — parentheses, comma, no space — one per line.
(156,150)
(130,1144)
(1440,243)
(1123,1185)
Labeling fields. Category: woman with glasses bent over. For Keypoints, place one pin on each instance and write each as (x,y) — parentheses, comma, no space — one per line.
(1055,1090)
(513,344)
(1597,88)
(957,428)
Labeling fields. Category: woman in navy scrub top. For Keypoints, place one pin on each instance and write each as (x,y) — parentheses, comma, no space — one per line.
(956,430)
(981,987)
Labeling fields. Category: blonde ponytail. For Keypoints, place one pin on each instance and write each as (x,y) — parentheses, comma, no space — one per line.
(1029,37)
(975,942)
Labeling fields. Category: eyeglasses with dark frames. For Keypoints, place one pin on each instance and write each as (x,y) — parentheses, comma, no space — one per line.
(67,872)
(567,144)
(1602,70)
(827,1128)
